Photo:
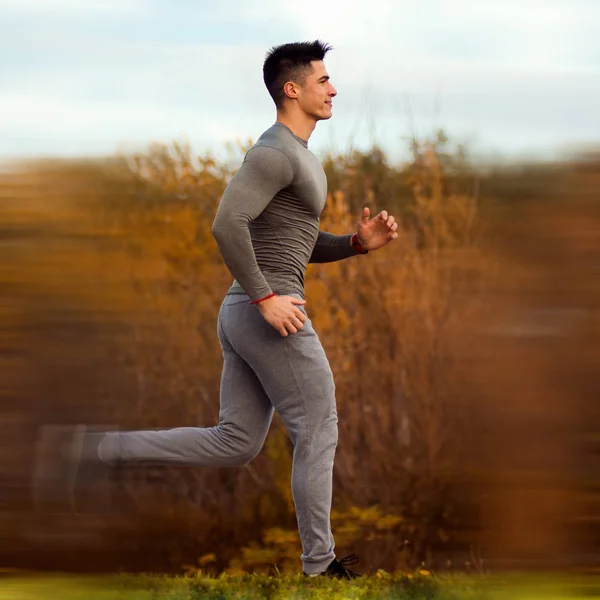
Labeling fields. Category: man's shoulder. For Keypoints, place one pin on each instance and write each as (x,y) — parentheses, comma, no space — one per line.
(271,138)
(278,138)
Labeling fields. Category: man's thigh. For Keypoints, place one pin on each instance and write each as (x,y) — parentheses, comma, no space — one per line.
(293,370)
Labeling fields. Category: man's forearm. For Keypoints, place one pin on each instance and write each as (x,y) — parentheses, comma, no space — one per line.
(331,248)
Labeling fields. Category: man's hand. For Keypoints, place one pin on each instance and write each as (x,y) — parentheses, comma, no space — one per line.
(376,232)
(282,314)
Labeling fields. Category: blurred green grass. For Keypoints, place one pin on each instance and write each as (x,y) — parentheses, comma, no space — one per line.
(384,586)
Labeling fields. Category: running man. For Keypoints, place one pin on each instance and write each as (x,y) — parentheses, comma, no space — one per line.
(267,230)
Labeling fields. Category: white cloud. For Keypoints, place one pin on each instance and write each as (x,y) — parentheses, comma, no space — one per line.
(505,73)
(69,126)
(75,7)
(534,33)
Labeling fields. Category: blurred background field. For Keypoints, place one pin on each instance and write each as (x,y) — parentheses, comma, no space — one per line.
(465,356)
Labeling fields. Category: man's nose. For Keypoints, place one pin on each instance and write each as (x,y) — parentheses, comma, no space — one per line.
(333,92)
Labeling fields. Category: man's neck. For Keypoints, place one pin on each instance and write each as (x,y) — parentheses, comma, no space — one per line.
(301,125)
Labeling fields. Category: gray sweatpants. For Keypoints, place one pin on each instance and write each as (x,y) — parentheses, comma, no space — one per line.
(262,372)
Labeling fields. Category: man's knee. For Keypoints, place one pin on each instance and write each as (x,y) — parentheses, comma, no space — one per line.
(248,454)
(243,448)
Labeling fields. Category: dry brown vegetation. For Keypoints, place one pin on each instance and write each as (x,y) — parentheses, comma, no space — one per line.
(464,354)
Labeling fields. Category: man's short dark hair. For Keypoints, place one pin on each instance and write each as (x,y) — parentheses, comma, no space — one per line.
(290,62)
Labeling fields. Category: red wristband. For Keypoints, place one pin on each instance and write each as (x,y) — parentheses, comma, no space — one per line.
(356,244)
(265,298)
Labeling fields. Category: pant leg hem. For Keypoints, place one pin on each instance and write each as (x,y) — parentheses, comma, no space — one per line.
(316,568)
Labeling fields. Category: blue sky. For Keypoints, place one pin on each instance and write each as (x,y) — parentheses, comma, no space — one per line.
(84,77)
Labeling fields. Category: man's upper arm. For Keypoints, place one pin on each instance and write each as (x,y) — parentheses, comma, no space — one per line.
(264,172)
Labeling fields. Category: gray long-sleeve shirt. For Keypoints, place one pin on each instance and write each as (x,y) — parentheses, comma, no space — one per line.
(267,223)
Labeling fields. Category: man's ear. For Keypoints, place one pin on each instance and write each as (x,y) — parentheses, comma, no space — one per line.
(290,89)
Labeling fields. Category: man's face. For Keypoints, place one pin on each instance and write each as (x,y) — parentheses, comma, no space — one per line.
(316,94)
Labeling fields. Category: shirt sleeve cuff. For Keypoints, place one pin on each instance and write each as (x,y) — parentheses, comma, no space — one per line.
(261,299)
(356,245)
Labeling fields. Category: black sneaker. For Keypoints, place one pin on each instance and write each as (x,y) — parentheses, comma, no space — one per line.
(337,568)
(66,461)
